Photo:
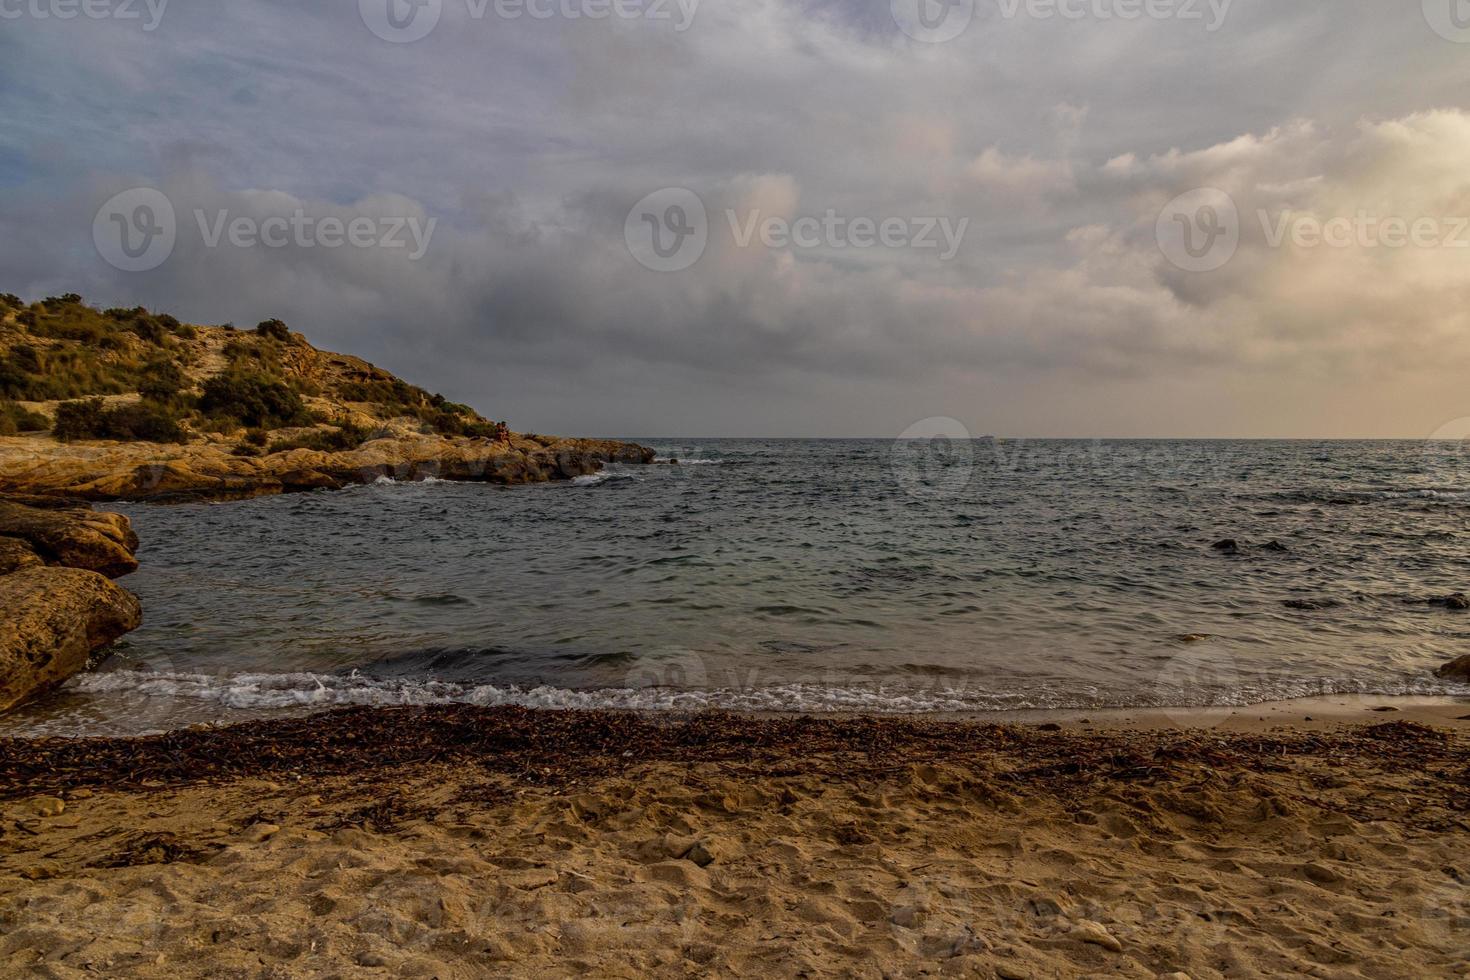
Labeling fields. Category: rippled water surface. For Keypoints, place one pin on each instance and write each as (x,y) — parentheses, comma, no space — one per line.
(809,575)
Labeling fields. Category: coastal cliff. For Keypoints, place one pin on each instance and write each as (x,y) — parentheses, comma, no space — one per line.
(58,605)
(126,404)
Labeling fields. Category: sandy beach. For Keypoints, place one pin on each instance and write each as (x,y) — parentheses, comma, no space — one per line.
(465,842)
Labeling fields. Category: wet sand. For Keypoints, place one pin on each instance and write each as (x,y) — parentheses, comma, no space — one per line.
(466,842)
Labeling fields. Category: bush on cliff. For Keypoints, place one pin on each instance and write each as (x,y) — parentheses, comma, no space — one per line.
(254,400)
(345,436)
(90,418)
(17,418)
(274,329)
(162,382)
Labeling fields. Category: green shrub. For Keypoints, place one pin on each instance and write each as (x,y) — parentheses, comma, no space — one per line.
(274,329)
(254,399)
(80,419)
(10,301)
(137,422)
(345,436)
(149,330)
(17,418)
(161,382)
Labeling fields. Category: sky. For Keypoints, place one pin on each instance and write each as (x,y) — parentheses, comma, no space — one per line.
(1089,218)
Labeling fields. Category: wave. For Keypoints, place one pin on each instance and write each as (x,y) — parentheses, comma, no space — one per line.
(1360,497)
(253,692)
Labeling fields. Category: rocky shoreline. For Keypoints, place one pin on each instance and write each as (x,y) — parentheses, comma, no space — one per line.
(58,604)
(209,471)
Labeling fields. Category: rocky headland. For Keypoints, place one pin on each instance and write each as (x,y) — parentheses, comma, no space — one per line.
(126,404)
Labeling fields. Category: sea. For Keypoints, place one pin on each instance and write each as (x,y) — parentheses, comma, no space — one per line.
(945,576)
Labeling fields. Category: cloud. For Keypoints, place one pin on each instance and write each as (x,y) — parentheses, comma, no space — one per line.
(528,142)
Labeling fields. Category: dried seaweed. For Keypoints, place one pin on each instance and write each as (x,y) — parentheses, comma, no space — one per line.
(552,747)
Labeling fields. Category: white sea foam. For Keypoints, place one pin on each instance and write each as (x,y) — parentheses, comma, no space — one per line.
(268,692)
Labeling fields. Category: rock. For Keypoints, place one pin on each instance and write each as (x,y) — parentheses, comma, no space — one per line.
(15,554)
(1227,546)
(1458,601)
(102,543)
(52,620)
(1177,975)
(203,470)
(1193,637)
(1274,545)
(1049,726)
(1456,670)
(46,806)
(1094,933)
(708,851)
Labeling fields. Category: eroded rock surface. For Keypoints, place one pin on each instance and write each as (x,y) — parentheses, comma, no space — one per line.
(58,607)
(52,620)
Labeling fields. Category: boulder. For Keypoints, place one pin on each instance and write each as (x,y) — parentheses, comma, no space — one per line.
(52,621)
(15,554)
(1456,670)
(75,537)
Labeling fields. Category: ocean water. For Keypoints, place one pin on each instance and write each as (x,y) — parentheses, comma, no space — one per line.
(815,576)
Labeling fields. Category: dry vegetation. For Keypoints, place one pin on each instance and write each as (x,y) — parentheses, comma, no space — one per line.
(132,374)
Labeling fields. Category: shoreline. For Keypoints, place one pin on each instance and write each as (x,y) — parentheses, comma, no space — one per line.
(460,842)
